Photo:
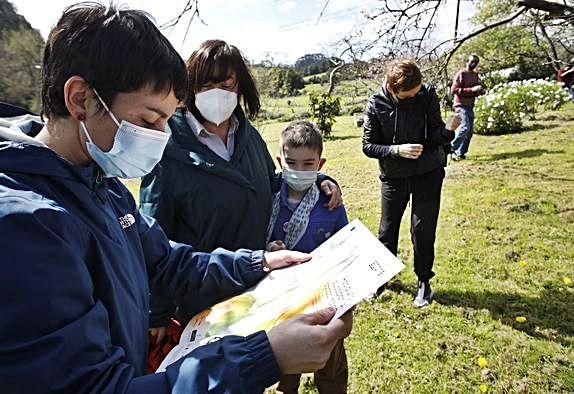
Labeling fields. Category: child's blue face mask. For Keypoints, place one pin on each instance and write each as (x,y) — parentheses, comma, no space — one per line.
(135,152)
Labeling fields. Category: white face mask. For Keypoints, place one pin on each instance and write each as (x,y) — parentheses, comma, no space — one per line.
(299,180)
(216,105)
(135,152)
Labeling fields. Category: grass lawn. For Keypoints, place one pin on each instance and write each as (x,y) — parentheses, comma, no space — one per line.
(504,250)
(505,245)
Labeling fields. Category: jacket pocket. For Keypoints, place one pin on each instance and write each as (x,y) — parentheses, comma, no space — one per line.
(321,231)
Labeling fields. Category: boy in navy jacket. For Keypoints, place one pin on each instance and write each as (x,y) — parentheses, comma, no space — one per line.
(78,259)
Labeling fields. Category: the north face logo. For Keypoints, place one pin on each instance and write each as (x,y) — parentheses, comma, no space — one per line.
(127,220)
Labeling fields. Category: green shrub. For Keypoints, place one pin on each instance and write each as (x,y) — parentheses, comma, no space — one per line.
(323,108)
(318,78)
(505,107)
(284,81)
(356,108)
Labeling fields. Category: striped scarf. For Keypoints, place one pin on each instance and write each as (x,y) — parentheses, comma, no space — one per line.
(299,219)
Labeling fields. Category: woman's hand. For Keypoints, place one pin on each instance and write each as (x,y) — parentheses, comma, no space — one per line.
(283,258)
(453,121)
(331,189)
(410,151)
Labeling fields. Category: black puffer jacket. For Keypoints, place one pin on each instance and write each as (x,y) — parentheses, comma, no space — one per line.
(411,121)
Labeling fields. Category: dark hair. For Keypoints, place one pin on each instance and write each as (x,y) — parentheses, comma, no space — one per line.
(215,61)
(301,134)
(113,50)
(403,74)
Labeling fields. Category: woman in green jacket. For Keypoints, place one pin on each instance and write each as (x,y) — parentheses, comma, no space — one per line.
(214,184)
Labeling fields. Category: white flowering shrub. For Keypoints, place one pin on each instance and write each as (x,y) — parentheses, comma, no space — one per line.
(504,108)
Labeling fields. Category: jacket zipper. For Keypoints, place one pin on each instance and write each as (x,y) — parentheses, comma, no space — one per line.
(395,130)
(426,136)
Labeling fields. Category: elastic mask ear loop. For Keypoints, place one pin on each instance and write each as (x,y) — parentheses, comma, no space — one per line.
(85,130)
(106,107)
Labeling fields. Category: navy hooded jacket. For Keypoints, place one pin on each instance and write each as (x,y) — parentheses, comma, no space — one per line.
(78,261)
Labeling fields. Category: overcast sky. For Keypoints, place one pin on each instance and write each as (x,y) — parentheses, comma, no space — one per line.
(282,30)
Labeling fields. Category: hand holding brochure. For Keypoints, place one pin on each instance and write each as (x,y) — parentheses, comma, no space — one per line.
(345,269)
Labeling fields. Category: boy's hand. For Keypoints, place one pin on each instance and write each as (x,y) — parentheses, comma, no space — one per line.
(283,258)
(331,189)
(158,333)
(304,343)
(275,246)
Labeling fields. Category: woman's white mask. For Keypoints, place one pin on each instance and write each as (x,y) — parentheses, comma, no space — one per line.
(216,105)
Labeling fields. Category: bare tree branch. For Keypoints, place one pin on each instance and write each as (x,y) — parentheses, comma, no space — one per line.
(551,52)
(482,30)
(433,16)
(555,10)
(191,5)
(332,80)
(322,11)
(567,49)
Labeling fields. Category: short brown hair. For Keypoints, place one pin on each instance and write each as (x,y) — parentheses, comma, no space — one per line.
(301,134)
(403,74)
(215,61)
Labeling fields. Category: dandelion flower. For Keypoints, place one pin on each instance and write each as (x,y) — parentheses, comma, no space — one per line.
(482,362)
(521,319)
(522,263)
(483,388)
(567,280)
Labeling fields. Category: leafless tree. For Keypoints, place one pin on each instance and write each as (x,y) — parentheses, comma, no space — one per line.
(191,6)
(404,29)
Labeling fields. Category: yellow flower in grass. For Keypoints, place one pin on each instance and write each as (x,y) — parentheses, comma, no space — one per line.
(396,334)
(522,263)
(521,319)
(483,388)
(482,362)
(567,280)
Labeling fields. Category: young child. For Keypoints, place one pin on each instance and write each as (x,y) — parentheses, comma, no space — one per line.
(301,221)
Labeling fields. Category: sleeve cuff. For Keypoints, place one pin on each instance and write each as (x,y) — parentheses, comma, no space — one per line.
(253,265)
(265,371)
(151,383)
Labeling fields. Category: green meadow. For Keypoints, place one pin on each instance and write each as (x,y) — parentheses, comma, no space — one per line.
(502,319)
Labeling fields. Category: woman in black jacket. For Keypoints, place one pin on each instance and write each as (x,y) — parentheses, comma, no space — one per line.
(405,132)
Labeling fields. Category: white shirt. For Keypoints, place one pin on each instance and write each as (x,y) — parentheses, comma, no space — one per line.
(213,141)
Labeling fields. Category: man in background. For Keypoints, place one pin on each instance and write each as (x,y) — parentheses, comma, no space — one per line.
(566,76)
(466,86)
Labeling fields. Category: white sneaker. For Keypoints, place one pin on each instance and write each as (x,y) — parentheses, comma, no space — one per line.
(424,295)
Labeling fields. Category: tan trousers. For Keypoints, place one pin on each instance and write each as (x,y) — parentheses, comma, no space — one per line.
(332,379)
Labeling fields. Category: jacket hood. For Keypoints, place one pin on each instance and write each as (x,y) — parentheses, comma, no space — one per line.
(20,153)
(387,98)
